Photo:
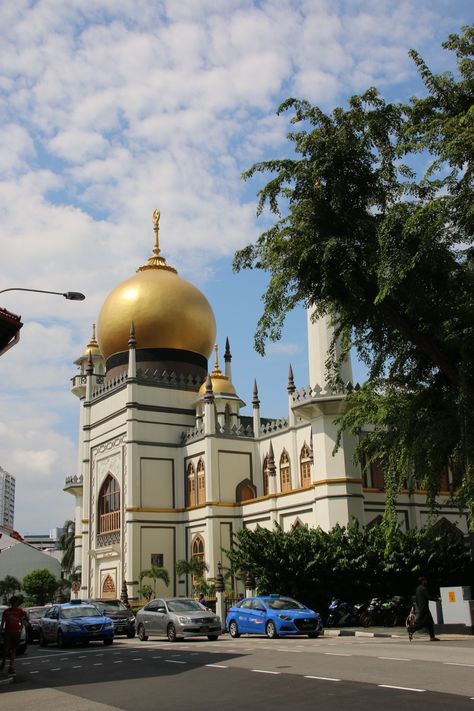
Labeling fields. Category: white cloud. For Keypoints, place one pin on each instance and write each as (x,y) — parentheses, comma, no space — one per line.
(111,109)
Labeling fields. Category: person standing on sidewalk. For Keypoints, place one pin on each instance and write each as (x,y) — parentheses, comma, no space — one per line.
(13,619)
(424,619)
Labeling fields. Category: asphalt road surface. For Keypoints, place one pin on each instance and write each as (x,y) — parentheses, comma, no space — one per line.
(297,673)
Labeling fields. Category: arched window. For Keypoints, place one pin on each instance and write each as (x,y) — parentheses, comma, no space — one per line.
(190,486)
(197,549)
(201,483)
(285,473)
(108,588)
(266,476)
(109,505)
(245,491)
(305,466)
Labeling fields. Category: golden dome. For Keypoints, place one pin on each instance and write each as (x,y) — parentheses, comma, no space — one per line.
(220,382)
(168,311)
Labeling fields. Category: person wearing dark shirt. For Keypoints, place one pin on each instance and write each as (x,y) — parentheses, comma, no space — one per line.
(424,619)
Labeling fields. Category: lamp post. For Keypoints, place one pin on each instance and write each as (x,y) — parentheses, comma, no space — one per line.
(71,295)
(220,604)
(10,323)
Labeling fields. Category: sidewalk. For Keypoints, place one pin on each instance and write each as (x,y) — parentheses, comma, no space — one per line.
(399,632)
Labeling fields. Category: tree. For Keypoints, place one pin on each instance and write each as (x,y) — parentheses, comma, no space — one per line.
(195,567)
(155,573)
(67,546)
(40,586)
(8,587)
(389,256)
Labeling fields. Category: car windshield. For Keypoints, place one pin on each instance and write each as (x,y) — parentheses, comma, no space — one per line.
(80,611)
(184,606)
(283,603)
(111,605)
(36,614)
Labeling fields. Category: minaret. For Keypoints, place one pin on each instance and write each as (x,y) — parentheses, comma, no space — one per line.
(132,353)
(209,409)
(291,389)
(320,334)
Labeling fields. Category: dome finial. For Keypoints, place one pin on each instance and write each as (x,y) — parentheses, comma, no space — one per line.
(156,261)
(216,357)
(156,229)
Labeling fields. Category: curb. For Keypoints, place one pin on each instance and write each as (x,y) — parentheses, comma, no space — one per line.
(6,680)
(358,633)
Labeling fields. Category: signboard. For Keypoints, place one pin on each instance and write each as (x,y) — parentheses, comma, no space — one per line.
(451,596)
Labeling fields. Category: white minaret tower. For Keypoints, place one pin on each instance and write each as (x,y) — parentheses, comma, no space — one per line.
(320,335)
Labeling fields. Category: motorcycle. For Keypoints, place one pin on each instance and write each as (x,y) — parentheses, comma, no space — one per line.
(343,613)
(386,613)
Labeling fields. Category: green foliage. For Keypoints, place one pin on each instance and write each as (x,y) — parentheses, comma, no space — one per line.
(40,586)
(146,591)
(348,562)
(8,587)
(66,544)
(389,256)
(155,573)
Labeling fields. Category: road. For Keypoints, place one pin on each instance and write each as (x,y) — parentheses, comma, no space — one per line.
(341,672)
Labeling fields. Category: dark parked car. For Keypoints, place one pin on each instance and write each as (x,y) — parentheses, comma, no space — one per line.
(75,621)
(33,624)
(21,649)
(121,615)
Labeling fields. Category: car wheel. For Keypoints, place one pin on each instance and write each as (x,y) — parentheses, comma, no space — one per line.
(271,631)
(42,640)
(61,643)
(108,642)
(171,632)
(233,629)
(131,635)
(141,634)
(212,637)
(365,619)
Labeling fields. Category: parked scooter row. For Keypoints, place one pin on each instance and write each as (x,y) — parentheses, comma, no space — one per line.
(384,613)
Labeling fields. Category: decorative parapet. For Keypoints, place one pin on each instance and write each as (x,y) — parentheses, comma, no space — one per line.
(191,435)
(223,431)
(73,482)
(108,539)
(274,426)
(318,393)
(163,378)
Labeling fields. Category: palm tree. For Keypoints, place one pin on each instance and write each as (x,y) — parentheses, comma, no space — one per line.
(66,544)
(194,567)
(155,573)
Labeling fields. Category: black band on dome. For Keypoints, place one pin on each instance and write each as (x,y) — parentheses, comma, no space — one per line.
(169,359)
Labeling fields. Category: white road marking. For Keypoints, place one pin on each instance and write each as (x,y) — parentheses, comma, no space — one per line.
(397,659)
(34,672)
(323,678)
(402,688)
(137,659)
(97,664)
(264,671)
(56,669)
(217,666)
(77,666)
(156,657)
(118,661)
(458,664)
(337,654)
(174,661)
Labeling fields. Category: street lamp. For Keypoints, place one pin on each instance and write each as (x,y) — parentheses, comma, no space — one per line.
(10,323)
(71,295)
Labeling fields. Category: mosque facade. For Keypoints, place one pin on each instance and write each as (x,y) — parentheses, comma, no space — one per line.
(169,468)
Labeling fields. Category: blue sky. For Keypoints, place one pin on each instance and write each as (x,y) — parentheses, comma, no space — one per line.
(110,108)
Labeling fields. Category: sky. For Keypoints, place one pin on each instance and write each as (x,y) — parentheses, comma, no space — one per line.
(112,108)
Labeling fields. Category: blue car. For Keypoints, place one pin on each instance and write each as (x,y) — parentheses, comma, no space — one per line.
(73,622)
(273,615)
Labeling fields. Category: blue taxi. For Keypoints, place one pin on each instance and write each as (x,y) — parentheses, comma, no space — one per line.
(73,622)
(273,615)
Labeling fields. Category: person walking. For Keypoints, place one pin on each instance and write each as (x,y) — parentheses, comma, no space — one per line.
(424,619)
(202,599)
(13,619)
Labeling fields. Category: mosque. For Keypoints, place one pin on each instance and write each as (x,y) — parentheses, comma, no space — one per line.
(169,468)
